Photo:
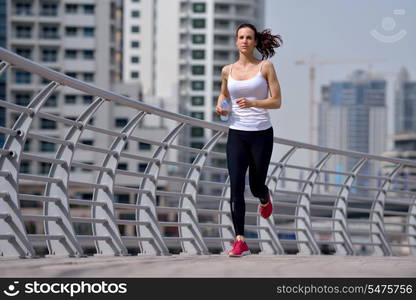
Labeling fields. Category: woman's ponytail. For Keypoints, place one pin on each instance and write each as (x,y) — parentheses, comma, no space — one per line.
(266,42)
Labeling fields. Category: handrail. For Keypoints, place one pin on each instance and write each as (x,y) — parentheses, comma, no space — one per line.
(319,220)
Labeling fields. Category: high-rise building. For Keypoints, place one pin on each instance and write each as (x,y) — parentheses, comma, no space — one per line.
(82,39)
(177,48)
(352,116)
(3,41)
(404,137)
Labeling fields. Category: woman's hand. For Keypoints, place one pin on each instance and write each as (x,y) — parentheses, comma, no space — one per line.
(219,110)
(245,103)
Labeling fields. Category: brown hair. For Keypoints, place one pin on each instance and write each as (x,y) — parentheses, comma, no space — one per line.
(266,42)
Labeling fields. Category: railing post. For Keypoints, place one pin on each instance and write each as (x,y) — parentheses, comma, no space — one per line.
(411,227)
(275,246)
(116,247)
(303,210)
(377,217)
(340,213)
(198,246)
(10,203)
(226,231)
(158,247)
(60,191)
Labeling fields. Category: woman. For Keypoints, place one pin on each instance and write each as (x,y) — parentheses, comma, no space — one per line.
(252,87)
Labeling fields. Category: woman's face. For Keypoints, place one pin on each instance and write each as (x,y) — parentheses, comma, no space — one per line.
(245,40)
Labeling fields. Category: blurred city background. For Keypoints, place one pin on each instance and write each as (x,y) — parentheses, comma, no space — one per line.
(347,72)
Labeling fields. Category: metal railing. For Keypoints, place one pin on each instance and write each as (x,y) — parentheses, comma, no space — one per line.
(369,209)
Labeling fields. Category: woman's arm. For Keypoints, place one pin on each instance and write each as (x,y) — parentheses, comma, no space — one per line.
(224,91)
(275,99)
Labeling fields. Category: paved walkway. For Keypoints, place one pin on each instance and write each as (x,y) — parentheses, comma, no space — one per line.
(211,266)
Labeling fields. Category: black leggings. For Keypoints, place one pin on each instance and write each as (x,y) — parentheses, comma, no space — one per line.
(252,149)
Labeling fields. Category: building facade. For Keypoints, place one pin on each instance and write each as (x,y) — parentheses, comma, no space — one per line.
(82,39)
(404,137)
(352,116)
(3,43)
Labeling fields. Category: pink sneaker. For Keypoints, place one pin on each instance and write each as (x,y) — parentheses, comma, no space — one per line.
(267,210)
(240,248)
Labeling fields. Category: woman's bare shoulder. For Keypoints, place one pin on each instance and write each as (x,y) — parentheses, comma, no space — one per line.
(268,64)
(226,69)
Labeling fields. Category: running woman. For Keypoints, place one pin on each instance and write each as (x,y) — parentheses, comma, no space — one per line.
(252,87)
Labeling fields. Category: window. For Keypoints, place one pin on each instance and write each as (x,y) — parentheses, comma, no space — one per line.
(25,52)
(52,101)
(71,74)
(27,145)
(135,29)
(88,142)
(198,85)
(25,167)
(198,23)
(142,167)
(89,31)
(71,8)
(22,99)
(198,39)
(197,100)
(197,132)
(198,54)
(122,198)
(23,8)
(197,115)
(70,54)
(198,70)
(49,9)
(221,55)
(88,54)
(47,124)
(135,14)
(121,122)
(49,55)
(217,85)
(71,31)
(122,166)
(222,8)
(217,70)
(89,77)
(87,99)
(23,31)
(198,7)
(221,40)
(135,44)
(44,168)
(49,32)
(70,99)
(222,24)
(89,9)
(144,146)
(23,77)
(197,145)
(134,59)
(47,147)
(134,74)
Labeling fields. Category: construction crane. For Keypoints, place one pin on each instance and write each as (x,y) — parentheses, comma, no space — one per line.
(312,63)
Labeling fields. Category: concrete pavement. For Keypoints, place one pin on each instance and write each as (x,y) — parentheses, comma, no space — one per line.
(211,266)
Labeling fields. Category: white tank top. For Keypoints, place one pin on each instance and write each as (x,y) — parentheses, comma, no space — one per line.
(255,88)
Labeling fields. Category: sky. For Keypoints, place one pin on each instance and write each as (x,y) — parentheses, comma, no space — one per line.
(336,30)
